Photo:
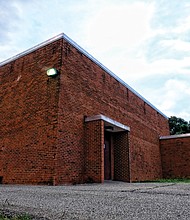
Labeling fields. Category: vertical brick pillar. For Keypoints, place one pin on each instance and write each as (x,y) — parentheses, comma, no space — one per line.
(121,156)
(94,151)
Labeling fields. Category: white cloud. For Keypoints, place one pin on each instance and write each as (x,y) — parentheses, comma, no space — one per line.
(174,90)
(118,26)
(184,114)
(183,25)
(173,98)
(36,21)
(177,44)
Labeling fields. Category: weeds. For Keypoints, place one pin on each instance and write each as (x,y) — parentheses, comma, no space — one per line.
(20,217)
(179,180)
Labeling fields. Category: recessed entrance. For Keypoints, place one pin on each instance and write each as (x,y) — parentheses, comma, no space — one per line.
(107,150)
(1,179)
(116,155)
(107,156)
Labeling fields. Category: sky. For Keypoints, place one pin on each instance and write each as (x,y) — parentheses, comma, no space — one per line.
(146,43)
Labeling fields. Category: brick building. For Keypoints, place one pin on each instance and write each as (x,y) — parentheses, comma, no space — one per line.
(175,155)
(66,118)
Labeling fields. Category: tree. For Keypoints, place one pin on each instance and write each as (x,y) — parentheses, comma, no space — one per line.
(178,125)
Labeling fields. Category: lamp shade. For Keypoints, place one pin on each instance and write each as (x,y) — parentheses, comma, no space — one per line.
(52,72)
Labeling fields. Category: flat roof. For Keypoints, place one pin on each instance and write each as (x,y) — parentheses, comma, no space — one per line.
(74,44)
(175,136)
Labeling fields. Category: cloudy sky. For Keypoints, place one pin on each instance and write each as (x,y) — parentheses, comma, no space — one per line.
(144,42)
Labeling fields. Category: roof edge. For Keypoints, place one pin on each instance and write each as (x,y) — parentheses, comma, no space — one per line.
(175,136)
(111,73)
(74,44)
(49,41)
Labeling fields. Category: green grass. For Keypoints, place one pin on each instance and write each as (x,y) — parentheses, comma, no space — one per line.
(20,217)
(179,180)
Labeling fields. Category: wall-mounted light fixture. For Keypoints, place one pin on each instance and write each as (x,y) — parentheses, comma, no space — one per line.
(52,72)
(109,128)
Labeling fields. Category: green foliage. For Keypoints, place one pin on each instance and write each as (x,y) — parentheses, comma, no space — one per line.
(178,126)
(177,180)
(20,217)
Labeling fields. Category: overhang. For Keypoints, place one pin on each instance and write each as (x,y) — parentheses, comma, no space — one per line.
(109,124)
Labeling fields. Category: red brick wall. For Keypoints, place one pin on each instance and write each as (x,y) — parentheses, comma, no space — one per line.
(1,162)
(145,155)
(29,120)
(88,90)
(94,151)
(121,156)
(175,154)
(43,129)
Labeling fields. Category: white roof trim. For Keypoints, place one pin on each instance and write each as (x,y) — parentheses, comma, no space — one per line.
(32,49)
(175,136)
(64,36)
(109,120)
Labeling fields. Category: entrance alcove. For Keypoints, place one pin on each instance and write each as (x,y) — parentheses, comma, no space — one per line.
(106,150)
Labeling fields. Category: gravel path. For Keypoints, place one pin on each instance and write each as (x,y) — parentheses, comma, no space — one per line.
(111,200)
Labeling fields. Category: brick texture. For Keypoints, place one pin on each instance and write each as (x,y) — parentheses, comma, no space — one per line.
(88,90)
(42,118)
(94,154)
(121,156)
(29,117)
(175,154)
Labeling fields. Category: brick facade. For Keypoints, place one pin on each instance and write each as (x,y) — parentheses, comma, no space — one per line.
(121,156)
(94,141)
(44,135)
(29,117)
(175,151)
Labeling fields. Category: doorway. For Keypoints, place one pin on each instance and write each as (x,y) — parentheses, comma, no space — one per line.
(116,156)
(107,156)
(107,149)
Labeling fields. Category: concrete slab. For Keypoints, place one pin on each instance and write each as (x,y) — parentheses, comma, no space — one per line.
(111,200)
